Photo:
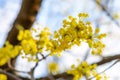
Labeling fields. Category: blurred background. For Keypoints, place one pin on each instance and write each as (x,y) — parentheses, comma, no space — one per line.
(104,14)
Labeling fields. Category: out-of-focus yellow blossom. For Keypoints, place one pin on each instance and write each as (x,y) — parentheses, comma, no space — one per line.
(97,47)
(83,15)
(29,46)
(55,48)
(28,43)
(3,77)
(44,40)
(105,77)
(96,75)
(53,67)
(7,52)
(97,30)
(24,34)
(3,59)
(83,69)
(116,16)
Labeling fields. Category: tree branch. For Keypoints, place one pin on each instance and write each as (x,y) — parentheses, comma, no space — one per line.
(105,69)
(70,77)
(25,18)
(10,74)
(63,76)
(108,59)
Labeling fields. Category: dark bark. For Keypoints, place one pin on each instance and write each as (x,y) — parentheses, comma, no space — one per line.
(108,59)
(25,18)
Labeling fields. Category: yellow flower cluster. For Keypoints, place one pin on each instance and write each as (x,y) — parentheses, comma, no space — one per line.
(3,77)
(83,69)
(28,43)
(53,67)
(7,52)
(95,42)
(31,46)
(99,76)
(75,31)
(24,34)
(44,42)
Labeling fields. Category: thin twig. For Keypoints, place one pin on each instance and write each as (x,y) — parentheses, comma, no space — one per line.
(105,69)
(107,12)
(43,57)
(86,55)
(110,66)
(10,74)
(12,68)
(32,70)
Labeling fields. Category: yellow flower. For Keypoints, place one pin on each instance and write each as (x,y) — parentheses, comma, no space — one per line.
(53,67)
(83,15)
(29,46)
(3,77)
(83,69)
(7,52)
(75,31)
(97,30)
(3,60)
(105,77)
(24,34)
(20,36)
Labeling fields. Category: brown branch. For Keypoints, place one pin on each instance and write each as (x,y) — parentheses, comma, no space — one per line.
(10,75)
(66,76)
(25,18)
(32,70)
(63,76)
(108,59)
(70,77)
